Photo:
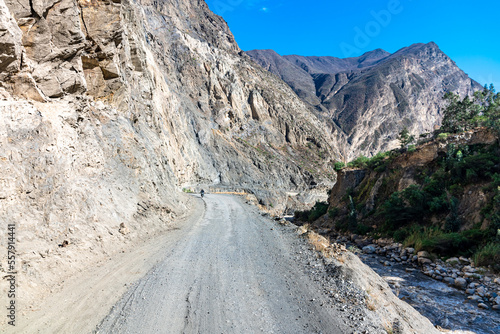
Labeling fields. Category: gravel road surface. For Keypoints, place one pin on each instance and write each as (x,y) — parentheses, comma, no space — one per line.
(231,271)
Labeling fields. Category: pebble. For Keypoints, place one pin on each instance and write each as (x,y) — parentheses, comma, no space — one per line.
(475,298)
(483,306)
(481,291)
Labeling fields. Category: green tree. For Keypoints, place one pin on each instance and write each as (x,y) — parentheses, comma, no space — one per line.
(483,109)
(491,103)
(405,138)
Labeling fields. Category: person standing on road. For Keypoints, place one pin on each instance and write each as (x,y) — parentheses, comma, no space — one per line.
(202,193)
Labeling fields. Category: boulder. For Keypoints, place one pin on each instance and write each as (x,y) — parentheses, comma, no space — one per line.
(460,283)
(370,249)
(410,250)
(423,254)
(423,260)
(449,280)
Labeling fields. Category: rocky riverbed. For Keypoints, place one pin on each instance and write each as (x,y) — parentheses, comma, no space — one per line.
(454,294)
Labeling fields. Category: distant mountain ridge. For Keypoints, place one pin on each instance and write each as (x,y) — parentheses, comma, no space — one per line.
(367,100)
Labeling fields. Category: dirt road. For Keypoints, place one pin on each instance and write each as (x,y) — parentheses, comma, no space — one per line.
(231,271)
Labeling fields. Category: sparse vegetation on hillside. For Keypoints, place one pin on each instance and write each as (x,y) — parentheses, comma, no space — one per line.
(464,114)
(405,138)
(319,209)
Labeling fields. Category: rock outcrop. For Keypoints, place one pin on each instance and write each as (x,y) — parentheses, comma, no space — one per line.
(110,107)
(367,100)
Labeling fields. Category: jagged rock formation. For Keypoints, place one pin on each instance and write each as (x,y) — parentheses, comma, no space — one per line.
(110,107)
(372,97)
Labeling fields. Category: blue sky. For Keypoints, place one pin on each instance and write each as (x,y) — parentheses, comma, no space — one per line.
(467,31)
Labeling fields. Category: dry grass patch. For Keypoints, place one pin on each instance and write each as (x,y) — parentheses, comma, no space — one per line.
(319,242)
(324,245)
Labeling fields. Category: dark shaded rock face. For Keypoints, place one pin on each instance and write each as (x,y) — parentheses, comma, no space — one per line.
(367,100)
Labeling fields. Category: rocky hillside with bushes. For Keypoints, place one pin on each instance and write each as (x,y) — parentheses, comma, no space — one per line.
(441,196)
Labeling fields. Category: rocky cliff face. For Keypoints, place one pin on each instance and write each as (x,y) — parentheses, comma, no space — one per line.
(368,100)
(110,107)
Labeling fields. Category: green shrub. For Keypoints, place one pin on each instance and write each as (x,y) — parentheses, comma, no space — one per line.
(456,190)
(333,213)
(403,233)
(341,224)
(338,166)
(443,136)
(488,255)
(434,186)
(418,238)
(477,235)
(404,207)
(447,244)
(318,210)
(434,240)
(379,161)
(437,204)
(363,229)
(360,162)
(453,220)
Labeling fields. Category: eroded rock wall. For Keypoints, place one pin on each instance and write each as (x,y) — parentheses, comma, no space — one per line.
(110,107)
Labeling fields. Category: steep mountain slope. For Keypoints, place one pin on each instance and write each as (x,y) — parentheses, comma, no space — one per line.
(109,108)
(372,97)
